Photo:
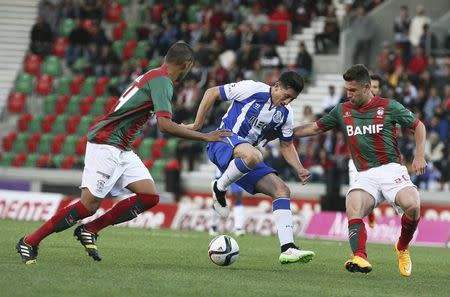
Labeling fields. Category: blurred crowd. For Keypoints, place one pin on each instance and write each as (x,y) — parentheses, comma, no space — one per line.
(236,40)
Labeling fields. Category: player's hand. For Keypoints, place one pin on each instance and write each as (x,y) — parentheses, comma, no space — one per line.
(419,165)
(216,136)
(304,175)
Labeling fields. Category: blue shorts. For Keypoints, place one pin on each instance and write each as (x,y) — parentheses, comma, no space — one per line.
(221,154)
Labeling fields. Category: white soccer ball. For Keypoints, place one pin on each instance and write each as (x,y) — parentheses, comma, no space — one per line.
(223,250)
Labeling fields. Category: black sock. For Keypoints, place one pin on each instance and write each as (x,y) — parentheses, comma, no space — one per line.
(287,246)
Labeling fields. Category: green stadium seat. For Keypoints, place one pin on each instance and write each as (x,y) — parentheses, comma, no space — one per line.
(66,26)
(31,160)
(157,170)
(74,105)
(141,49)
(44,143)
(98,106)
(24,83)
(117,47)
(84,125)
(57,160)
(35,123)
(114,81)
(6,159)
(88,86)
(192,13)
(63,86)
(59,126)
(145,149)
(153,63)
(170,148)
(130,33)
(122,2)
(51,66)
(69,144)
(80,64)
(20,145)
(50,103)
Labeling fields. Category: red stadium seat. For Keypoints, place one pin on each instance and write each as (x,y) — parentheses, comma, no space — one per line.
(76,84)
(43,161)
(57,143)
(8,141)
(16,102)
(137,142)
(68,162)
(19,160)
(61,104)
(114,12)
(118,30)
(88,24)
(32,64)
(72,123)
(110,103)
(22,122)
(59,46)
(80,146)
(148,163)
(47,123)
(44,84)
(128,49)
(85,105)
(33,141)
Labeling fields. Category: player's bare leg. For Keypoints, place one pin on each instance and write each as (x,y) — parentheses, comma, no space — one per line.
(358,204)
(408,199)
(274,187)
(371,220)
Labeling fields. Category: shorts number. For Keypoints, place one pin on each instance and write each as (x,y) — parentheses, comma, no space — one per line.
(401,179)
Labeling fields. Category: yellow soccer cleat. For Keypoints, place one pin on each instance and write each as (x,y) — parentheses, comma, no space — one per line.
(358,264)
(404,261)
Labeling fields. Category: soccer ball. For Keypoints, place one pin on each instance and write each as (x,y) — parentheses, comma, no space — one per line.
(223,250)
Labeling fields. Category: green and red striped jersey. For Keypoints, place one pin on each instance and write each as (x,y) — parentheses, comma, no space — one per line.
(151,93)
(370,130)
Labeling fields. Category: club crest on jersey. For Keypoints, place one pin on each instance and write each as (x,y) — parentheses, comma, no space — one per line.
(366,129)
(347,114)
(380,112)
(277,117)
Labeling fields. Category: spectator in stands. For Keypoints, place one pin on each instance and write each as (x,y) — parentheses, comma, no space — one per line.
(256,18)
(416,28)
(79,40)
(445,177)
(91,9)
(440,125)
(304,11)
(282,16)
(348,17)
(331,100)
(431,104)
(256,74)
(428,40)
(41,37)
(418,63)
(247,55)
(304,62)
(386,59)
(330,35)
(68,9)
(48,9)
(363,32)
(270,57)
(401,28)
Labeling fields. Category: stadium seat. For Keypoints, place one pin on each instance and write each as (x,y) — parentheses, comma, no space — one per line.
(141,49)
(50,103)
(86,104)
(69,144)
(169,150)
(75,85)
(84,125)
(157,170)
(72,123)
(130,32)
(74,105)
(68,162)
(80,64)
(35,123)
(20,144)
(33,141)
(121,2)
(44,84)
(88,86)
(80,145)
(44,144)
(47,123)
(57,160)
(88,25)
(24,83)
(118,30)
(16,102)
(110,103)
(117,47)
(32,64)
(31,160)
(8,141)
(100,86)
(63,86)
(136,143)
(19,160)
(43,160)
(145,149)
(61,104)
(113,82)
(128,49)
(66,26)
(153,63)
(6,159)
(59,126)
(148,163)
(97,108)
(22,122)
(59,46)
(51,66)
(57,143)
(113,12)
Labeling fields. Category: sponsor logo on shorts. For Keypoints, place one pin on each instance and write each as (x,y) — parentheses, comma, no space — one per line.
(100,185)
(107,176)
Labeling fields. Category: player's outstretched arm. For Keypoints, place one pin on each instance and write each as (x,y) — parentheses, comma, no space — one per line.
(166,125)
(307,130)
(419,164)
(210,96)
(289,153)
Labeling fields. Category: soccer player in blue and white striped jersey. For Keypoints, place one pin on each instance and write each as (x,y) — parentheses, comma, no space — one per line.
(258,113)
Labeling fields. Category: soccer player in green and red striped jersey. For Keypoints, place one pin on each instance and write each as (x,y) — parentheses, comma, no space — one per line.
(368,122)
(111,166)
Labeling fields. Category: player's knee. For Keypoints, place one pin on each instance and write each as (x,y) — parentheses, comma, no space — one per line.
(282,190)
(253,158)
(413,210)
(148,200)
(89,201)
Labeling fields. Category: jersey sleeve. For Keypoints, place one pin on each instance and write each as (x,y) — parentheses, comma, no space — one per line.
(329,121)
(161,89)
(238,91)
(403,116)
(287,130)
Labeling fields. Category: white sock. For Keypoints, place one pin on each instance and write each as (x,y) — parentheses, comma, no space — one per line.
(283,220)
(239,217)
(235,170)
(214,219)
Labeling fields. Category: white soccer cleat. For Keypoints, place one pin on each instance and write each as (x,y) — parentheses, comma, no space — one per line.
(220,203)
(293,255)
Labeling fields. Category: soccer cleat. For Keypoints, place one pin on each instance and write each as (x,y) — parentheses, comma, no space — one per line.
(293,255)
(88,240)
(358,264)
(404,261)
(371,220)
(213,231)
(27,252)
(239,232)
(220,201)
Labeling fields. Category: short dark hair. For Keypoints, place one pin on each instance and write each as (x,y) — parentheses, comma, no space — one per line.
(358,73)
(179,53)
(377,78)
(291,79)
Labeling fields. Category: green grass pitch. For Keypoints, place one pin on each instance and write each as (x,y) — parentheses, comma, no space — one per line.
(138,262)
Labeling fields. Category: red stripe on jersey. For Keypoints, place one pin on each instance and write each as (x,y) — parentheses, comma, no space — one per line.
(378,119)
(320,125)
(415,124)
(132,131)
(394,141)
(149,75)
(163,114)
(354,147)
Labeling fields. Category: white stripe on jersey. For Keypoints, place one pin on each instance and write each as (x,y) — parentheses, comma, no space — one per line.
(241,117)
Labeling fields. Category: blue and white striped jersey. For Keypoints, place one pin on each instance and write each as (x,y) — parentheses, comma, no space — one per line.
(252,115)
